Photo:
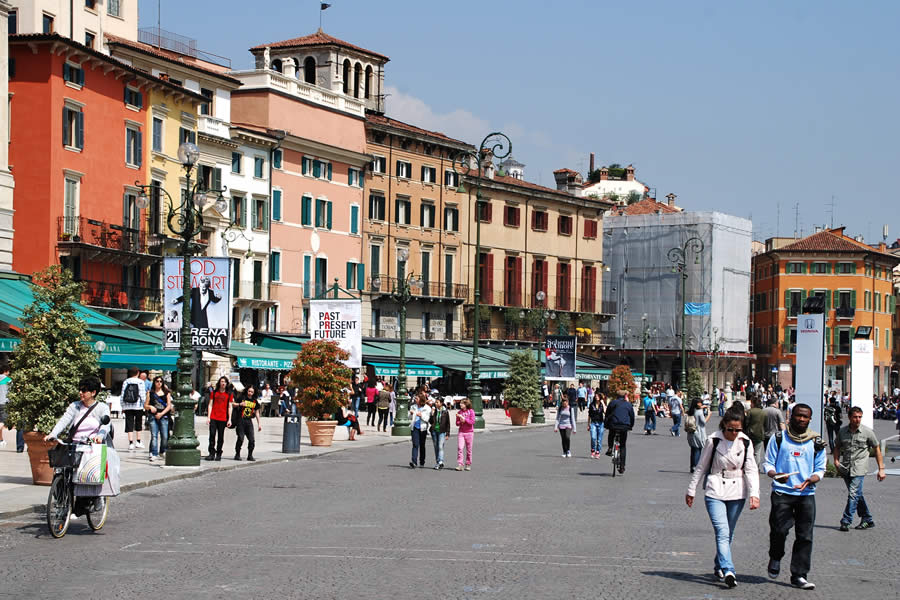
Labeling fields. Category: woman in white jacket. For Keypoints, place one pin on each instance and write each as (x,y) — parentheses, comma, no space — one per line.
(731,473)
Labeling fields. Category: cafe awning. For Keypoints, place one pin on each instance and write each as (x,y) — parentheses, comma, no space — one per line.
(393,370)
(249,356)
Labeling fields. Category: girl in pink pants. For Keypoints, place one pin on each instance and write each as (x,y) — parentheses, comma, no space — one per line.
(465,420)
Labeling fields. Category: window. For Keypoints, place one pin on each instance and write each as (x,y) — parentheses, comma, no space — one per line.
(157,134)
(429,174)
(209,177)
(486,276)
(404,169)
(512,280)
(91,4)
(448,276)
(563,285)
(451,178)
(875,336)
(451,218)
(426,215)
(73,128)
(12,22)
(354,177)
(186,135)
(133,97)
(305,166)
(277,157)
(155,208)
(564,225)
(206,107)
(70,206)
(133,145)
(845,303)
(259,219)
(790,340)
(375,259)
(511,216)
(238,211)
(47,24)
(356,276)
(590,229)
(485,213)
(309,70)
(376,207)
(131,214)
(89,39)
(867,300)
(887,338)
(379,164)
(794,301)
(321,276)
(321,169)
(820,268)
(73,74)
(843,345)
(795,267)
(539,272)
(113,8)
(323,213)
(306,211)
(258,164)
(845,268)
(401,211)
(539,220)
(236,162)
(354,219)
(275,266)
(877,302)
(588,288)
(426,271)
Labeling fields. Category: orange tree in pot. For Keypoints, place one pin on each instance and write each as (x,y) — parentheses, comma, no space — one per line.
(320,376)
(53,355)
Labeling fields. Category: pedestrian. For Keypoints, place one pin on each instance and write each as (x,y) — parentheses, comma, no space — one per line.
(756,428)
(134,396)
(5,380)
(675,409)
(774,419)
(649,414)
(619,421)
(371,393)
(465,437)
(695,427)
(248,408)
(265,400)
(851,459)
(545,393)
(557,396)
(833,420)
(731,477)
(218,416)
(565,425)
(596,415)
(795,460)
(383,406)
(392,411)
(346,418)
(419,412)
(440,429)
(582,396)
(158,407)
(359,391)
(572,397)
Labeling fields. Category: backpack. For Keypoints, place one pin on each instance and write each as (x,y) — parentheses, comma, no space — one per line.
(715,443)
(131,395)
(690,424)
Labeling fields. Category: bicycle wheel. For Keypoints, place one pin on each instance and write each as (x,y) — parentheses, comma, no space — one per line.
(615,458)
(59,506)
(97,518)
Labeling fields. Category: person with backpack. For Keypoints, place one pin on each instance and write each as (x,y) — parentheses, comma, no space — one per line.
(675,409)
(134,396)
(619,421)
(695,428)
(833,420)
(729,466)
(649,413)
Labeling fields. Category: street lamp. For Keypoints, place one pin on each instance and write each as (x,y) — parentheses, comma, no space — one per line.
(646,333)
(537,416)
(402,295)
(493,145)
(185,220)
(715,349)
(678,256)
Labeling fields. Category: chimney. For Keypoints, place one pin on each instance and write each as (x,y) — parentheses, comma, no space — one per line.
(562,179)
(671,198)
(629,173)
(487,162)
(591,170)
(604,173)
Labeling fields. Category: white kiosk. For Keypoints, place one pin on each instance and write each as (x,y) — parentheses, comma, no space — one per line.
(810,380)
(862,361)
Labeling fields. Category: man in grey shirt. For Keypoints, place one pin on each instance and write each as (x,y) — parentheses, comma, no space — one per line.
(851,459)
(774,420)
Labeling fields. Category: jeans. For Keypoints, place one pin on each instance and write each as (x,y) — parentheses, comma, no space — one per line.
(382,419)
(759,453)
(721,408)
(418,446)
(832,433)
(596,436)
(724,514)
(244,427)
(856,503)
(649,420)
(695,457)
(464,442)
(676,424)
(623,437)
(159,433)
(356,400)
(438,440)
(792,511)
(565,435)
(216,436)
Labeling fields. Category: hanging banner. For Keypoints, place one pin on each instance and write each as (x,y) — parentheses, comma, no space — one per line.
(210,303)
(559,356)
(810,385)
(338,321)
(696,308)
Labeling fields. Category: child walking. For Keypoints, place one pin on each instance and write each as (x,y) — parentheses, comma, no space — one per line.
(465,421)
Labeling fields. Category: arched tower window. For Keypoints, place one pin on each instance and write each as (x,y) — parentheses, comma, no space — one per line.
(346,76)
(276,65)
(368,82)
(309,70)
(357,77)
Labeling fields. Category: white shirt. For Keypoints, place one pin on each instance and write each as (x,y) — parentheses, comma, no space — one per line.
(420,422)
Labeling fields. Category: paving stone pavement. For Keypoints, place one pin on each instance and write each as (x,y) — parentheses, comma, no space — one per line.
(524,523)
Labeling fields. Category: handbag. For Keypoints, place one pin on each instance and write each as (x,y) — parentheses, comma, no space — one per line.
(92,469)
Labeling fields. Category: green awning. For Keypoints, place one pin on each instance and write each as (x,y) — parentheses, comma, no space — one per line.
(393,370)
(8,344)
(256,357)
(163,361)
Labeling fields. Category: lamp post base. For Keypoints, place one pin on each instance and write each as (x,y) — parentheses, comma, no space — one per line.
(537,415)
(477,403)
(402,424)
(186,457)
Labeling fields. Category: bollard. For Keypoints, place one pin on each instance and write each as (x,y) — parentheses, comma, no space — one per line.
(290,439)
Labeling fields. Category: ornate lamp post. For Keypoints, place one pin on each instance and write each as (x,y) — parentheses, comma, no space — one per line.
(678,256)
(646,334)
(715,348)
(402,295)
(185,219)
(538,415)
(493,145)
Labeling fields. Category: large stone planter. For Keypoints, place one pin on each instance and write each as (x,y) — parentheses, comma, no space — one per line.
(518,416)
(321,433)
(41,471)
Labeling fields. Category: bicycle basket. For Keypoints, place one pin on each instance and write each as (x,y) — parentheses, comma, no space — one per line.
(64,456)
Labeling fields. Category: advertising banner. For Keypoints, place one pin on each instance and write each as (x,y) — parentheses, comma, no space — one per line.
(862,362)
(338,321)
(559,353)
(210,303)
(810,386)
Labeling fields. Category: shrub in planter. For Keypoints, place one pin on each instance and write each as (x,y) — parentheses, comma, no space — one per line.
(320,374)
(522,388)
(621,379)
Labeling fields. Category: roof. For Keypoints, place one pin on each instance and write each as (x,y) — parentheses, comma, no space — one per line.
(319,38)
(569,171)
(829,240)
(512,181)
(175,57)
(647,206)
(377,119)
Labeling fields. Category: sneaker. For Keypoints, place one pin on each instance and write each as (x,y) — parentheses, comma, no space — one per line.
(440,466)
(437,467)
(131,446)
(730,579)
(844,527)
(153,458)
(412,465)
(218,456)
(568,455)
(774,568)
(720,575)
(802,583)
(865,525)
(3,444)
(563,455)
(251,459)
(138,444)
(459,467)
(468,467)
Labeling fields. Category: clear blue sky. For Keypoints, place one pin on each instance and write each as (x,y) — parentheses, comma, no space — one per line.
(734,106)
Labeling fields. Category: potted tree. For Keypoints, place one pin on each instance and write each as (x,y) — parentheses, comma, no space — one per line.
(320,376)
(522,388)
(621,379)
(53,355)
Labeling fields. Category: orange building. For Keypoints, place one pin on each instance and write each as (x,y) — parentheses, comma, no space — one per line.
(855,281)
(77,138)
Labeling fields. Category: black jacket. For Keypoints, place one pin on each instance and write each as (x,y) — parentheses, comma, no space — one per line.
(619,414)
(445,420)
(596,415)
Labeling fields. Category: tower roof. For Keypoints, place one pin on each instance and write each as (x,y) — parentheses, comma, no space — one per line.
(319,38)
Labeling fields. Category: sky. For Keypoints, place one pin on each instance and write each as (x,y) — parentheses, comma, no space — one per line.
(781,112)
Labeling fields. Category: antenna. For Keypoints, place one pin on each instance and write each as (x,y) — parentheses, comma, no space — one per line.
(778,222)
(884,233)
(831,210)
(796,219)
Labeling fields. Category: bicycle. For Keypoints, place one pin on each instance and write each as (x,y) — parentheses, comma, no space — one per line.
(62,501)
(616,454)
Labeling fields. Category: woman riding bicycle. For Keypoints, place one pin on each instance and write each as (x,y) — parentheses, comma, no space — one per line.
(90,426)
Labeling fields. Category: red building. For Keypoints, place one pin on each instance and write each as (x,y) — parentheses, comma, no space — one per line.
(78,147)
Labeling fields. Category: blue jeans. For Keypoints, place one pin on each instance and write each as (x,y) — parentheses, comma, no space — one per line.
(724,517)
(721,408)
(856,503)
(356,406)
(695,457)
(596,436)
(649,420)
(159,435)
(676,423)
(418,446)
(438,439)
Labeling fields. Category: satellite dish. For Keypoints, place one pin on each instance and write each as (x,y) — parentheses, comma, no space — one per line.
(314,242)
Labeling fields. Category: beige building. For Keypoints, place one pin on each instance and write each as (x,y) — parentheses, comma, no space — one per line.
(413,203)
(84,22)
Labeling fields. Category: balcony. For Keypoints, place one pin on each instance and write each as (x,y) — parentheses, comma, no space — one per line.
(103,242)
(788,348)
(844,312)
(251,290)
(394,334)
(524,333)
(119,298)
(438,291)
(212,126)
(268,79)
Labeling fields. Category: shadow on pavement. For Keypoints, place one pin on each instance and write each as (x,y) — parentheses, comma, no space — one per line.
(711,581)
(596,474)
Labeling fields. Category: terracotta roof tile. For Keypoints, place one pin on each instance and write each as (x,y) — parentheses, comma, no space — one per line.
(566,171)
(188,61)
(319,38)
(647,206)
(830,240)
(377,119)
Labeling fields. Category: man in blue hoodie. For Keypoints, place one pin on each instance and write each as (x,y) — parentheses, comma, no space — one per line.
(795,460)
(619,421)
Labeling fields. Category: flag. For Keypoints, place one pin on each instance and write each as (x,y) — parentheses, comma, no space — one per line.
(324,5)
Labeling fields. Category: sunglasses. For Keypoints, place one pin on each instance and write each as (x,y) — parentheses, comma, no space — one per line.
(733,430)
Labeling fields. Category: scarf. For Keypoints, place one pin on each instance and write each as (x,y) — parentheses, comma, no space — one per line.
(800,438)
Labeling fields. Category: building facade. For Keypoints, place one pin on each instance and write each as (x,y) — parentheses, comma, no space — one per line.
(856,282)
(7,184)
(84,22)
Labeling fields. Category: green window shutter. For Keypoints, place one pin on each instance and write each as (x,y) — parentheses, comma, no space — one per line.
(79,130)
(354,219)
(827,302)
(305,209)
(217,179)
(853,268)
(803,268)
(787,339)
(837,299)
(276,205)
(306,268)
(318,213)
(265,216)
(852,333)
(328,215)
(303,166)
(317,169)
(802,298)
(276,159)
(828,268)
(329,171)
(787,300)
(65,120)
(253,214)
(852,298)
(360,276)
(351,275)
(893,304)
